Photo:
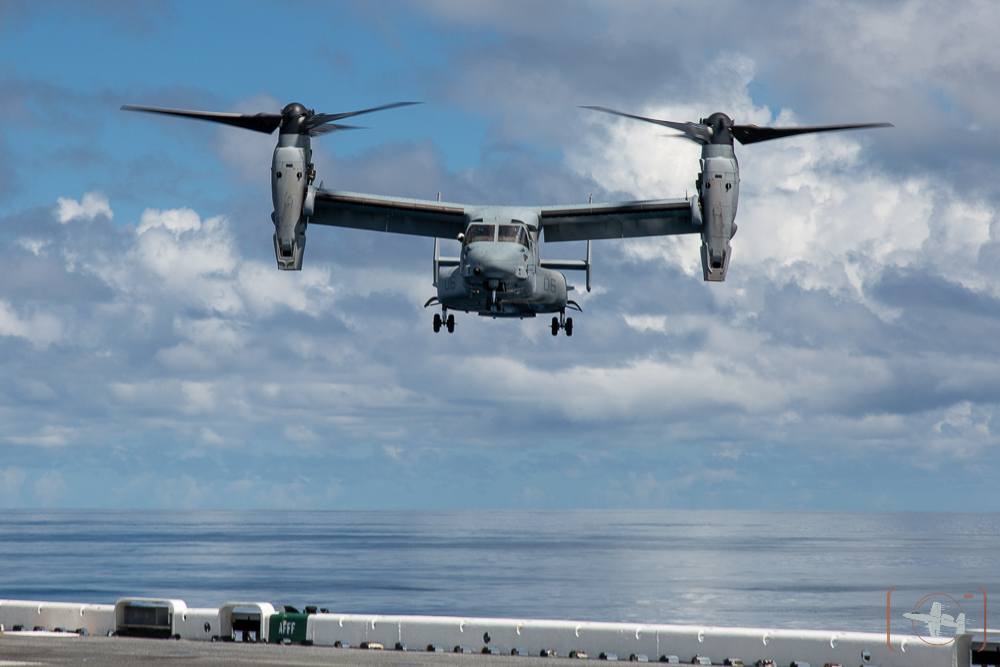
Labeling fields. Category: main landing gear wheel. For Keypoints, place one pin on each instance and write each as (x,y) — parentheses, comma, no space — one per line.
(445,320)
(562,322)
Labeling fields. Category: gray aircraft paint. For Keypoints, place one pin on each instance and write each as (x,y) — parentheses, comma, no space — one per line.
(289,181)
(720,192)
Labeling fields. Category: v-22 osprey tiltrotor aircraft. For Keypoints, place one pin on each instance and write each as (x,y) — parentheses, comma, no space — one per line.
(500,272)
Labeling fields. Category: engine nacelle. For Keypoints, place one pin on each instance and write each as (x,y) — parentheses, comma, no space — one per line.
(289,189)
(719,185)
(289,255)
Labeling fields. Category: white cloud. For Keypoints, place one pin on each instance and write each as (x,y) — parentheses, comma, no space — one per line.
(394,453)
(200,396)
(211,437)
(266,289)
(812,210)
(963,431)
(47,436)
(34,246)
(647,322)
(92,205)
(40,329)
(195,261)
(177,221)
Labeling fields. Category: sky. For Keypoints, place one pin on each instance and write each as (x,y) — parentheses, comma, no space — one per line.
(153,356)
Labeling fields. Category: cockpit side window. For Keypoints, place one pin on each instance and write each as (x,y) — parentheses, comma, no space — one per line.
(479,232)
(514,234)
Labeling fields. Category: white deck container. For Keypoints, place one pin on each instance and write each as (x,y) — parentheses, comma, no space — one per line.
(163,618)
(94,618)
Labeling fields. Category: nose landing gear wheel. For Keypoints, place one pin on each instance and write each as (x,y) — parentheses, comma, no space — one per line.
(437,322)
(569,326)
(451,324)
(555,326)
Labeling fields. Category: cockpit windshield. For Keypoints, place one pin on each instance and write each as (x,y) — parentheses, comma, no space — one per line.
(514,234)
(479,232)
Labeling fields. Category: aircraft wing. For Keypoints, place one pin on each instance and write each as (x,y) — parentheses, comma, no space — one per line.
(420,217)
(659,217)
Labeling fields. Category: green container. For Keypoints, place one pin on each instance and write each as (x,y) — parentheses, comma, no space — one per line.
(287,626)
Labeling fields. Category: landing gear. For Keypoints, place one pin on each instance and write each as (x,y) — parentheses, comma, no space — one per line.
(494,288)
(493,302)
(562,322)
(447,320)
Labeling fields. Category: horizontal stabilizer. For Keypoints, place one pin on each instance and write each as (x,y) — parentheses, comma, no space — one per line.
(570,265)
(564,264)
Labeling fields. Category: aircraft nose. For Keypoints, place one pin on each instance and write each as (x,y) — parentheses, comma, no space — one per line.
(493,261)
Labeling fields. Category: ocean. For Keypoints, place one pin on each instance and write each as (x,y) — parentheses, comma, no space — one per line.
(811,570)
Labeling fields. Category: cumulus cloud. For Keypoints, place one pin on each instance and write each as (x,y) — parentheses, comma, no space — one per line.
(813,210)
(176,221)
(40,329)
(92,205)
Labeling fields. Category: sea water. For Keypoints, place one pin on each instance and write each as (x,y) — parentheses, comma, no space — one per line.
(812,570)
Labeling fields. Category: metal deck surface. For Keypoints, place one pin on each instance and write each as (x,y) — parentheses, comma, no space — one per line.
(115,651)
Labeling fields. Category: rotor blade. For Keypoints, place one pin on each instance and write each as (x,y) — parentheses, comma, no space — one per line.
(320,118)
(326,128)
(750,134)
(262,122)
(697,132)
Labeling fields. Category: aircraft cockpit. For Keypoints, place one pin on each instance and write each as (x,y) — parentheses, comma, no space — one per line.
(478,231)
(513,233)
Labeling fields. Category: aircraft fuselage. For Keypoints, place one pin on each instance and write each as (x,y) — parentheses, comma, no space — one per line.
(499,272)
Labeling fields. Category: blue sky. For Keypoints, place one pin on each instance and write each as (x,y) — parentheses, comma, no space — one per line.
(153,356)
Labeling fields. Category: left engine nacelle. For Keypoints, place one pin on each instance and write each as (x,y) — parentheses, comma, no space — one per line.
(290,190)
